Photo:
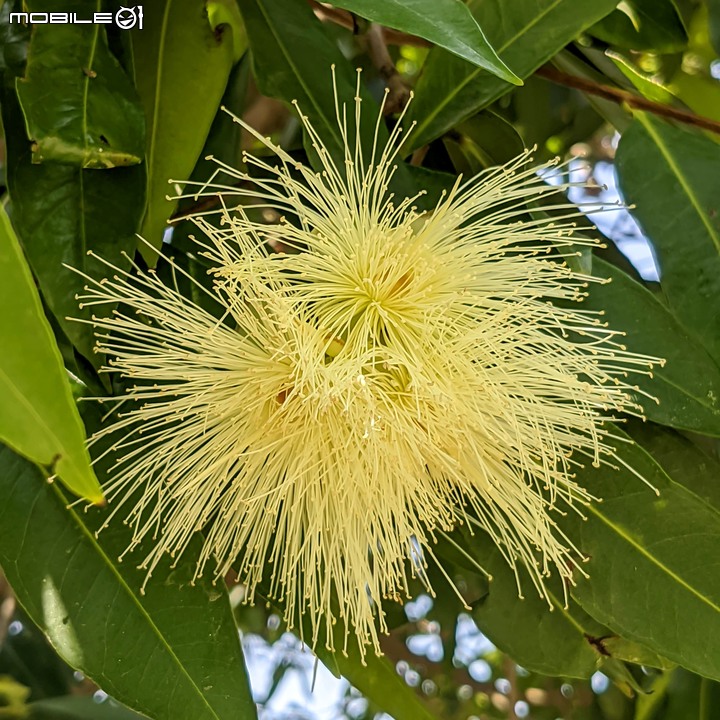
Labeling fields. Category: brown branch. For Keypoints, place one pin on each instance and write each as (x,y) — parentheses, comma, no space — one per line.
(395,37)
(399,94)
(378,37)
(510,672)
(623,96)
(343,18)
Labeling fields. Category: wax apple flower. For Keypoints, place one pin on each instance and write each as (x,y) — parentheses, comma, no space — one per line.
(393,374)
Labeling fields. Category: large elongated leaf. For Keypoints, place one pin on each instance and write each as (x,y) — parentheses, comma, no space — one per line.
(373,675)
(280,33)
(99,123)
(671,176)
(643,25)
(654,559)
(559,641)
(182,66)
(687,387)
(173,652)
(526,33)
(446,23)
(61,212)
(378,681)
(38,416)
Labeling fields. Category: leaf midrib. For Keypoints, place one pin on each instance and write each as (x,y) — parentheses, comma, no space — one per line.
(134,599)
(682,179)
(22,400)
(152,143)
(288,58)
(622,533)
(471,76)
(684,391)
(86,86)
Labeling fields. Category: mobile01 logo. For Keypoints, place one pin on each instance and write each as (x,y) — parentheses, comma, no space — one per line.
(126,18)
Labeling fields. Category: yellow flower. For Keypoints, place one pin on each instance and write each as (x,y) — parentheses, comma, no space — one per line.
(390,376)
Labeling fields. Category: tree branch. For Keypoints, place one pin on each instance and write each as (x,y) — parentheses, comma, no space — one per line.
(395,37)
(399,94)
(623,96)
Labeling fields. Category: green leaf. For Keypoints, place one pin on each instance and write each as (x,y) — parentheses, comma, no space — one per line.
(714,23)
(526,33)
(681,459)
(377,680)
(481,142)
(99,123)
(38,417)
(281,33)
(632,652)
(182,65)
(549,640)
(653,559)
(671,176)
(60,213)
(687,387)
(373,676)
(79,708)
(679,695)
(173,652)
(445,23)
(693,83)
(648,84)
(643,25)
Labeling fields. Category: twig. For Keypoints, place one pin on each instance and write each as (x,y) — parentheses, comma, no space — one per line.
(623,96)
(514,695)
(395,37)
(7,607)
(399,94)
(345,19)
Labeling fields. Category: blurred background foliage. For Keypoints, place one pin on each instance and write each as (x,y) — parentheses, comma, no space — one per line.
(97,119)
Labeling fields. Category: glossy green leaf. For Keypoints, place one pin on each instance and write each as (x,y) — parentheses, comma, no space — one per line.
(694,83)
(374,676)
(679,695)
(445,23)
(671,176)
(646,83)
(173,652)
(99,123)
(654,559)
(60,213)
(38,416)
(526,33)
(619,117)
(643,25)
(632,652)
(182,66)
(378,681)
(680,458)
(552,640)
(481,142)
(687,387)
(280,33)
